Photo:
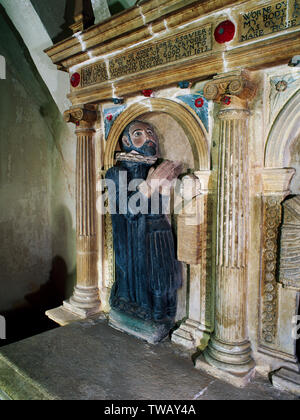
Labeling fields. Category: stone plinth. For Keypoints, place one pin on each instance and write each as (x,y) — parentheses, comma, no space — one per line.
(150,331)
(287,380)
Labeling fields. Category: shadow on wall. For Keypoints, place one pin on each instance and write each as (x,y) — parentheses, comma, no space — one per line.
(56,16)
(36,266)
(64,244)
(30,319)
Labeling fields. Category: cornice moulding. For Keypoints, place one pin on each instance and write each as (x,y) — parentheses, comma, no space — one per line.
(171,13)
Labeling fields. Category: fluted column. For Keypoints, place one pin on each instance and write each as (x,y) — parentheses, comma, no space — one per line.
(229,348)
(85,300)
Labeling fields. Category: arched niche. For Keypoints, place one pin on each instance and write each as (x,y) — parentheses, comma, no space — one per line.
(189,145)
(148,109)
(284,132)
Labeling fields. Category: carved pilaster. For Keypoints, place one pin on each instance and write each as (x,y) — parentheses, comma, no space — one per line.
(85,299)
(229,348)
(195,331)
(278,305)
(276,188)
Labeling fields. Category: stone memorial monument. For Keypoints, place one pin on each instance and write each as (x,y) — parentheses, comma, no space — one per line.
(216,87)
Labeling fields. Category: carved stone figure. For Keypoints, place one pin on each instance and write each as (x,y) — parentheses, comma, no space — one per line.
(147,273)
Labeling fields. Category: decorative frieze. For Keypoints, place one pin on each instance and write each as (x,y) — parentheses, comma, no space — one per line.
(271,222)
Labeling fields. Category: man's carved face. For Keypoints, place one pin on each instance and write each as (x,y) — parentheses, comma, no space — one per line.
(141,139)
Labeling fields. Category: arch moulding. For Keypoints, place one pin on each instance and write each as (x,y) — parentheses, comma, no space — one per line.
(190,123)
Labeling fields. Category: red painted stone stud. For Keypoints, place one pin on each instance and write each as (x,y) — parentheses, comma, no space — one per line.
(224,32)
(109,117)
(75,80)
(226,100)
(199,103)
(147,92)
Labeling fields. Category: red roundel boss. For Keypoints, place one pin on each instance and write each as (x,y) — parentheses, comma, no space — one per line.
(226,100)
(199,102)
(147,92)
(224,32)
(75,80)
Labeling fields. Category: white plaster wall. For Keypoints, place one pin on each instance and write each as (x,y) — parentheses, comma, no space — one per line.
(36,38)
(61,159)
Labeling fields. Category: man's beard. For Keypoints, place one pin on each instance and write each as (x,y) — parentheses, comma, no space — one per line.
(145,150)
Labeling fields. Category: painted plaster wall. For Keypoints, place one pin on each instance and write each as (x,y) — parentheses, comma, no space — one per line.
(36,179)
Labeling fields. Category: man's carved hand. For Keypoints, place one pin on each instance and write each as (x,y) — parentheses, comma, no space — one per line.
(167,170)
(161,177)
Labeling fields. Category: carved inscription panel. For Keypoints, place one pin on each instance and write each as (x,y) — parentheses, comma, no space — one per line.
(265,20)
(268,19)
(168,50)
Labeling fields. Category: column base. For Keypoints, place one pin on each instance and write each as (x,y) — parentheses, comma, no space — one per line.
(84,302)
(191,335)
(81,312)
(232,358)
(239,380)
(287,380)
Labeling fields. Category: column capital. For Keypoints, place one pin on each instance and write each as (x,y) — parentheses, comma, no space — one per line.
(82,115)
(276,181)
(234,88)
(205,178)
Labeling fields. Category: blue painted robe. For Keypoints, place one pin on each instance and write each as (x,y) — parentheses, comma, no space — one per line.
(147,274)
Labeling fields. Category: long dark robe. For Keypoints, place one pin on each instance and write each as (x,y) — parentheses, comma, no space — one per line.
(147,274)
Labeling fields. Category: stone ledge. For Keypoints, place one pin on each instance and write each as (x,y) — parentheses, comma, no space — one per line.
(16,385)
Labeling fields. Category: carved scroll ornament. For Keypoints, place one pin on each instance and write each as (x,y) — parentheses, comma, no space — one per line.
(234,84)
(81,114)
